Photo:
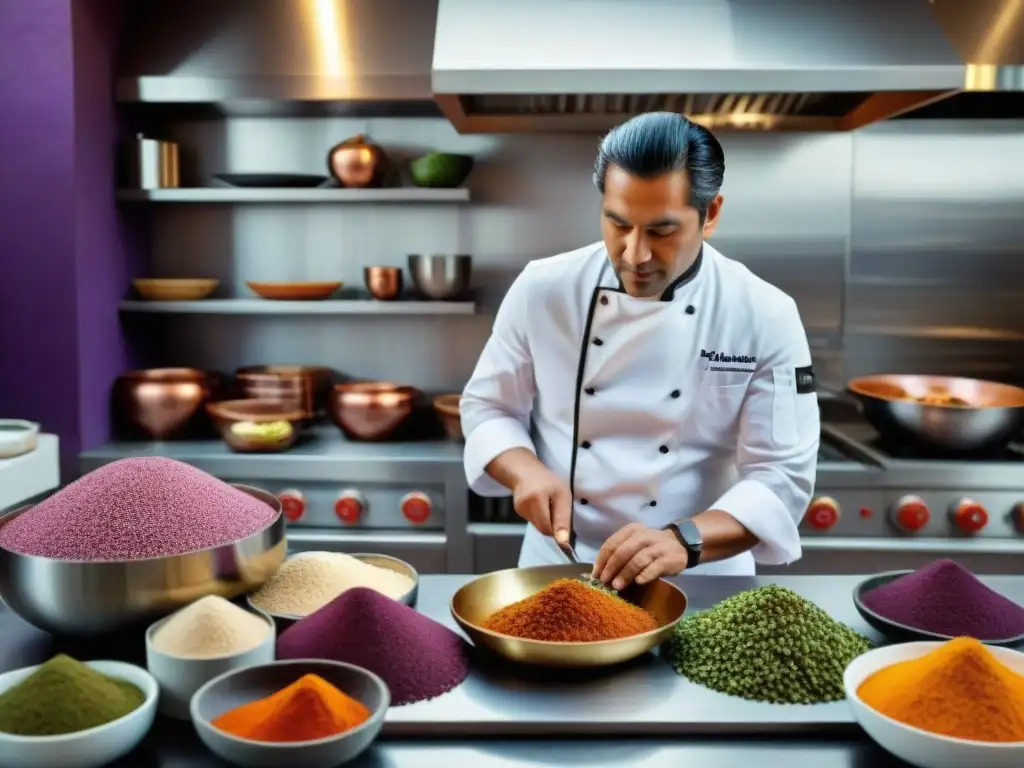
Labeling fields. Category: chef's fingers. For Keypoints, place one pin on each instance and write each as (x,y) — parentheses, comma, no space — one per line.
(623,554)
(610,545)
(561,514)
(637,564)
(655,570)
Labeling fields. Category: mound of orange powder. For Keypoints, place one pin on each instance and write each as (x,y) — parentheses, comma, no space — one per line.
(569,611)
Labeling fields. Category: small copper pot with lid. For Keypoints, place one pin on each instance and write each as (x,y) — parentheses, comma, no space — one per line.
(357,163)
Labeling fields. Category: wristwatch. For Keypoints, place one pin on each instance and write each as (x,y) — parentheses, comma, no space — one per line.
(689,536)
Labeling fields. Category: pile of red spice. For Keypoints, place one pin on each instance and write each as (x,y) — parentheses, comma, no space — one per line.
(569,611)
(135,509)
(947,599)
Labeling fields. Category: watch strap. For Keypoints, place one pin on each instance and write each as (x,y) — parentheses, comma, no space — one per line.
(689,536)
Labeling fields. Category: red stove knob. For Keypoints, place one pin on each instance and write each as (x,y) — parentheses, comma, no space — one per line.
(416,507)
(823,513)
(1017,516)
(349,506)
(969,516)
(910,514)
(293,504)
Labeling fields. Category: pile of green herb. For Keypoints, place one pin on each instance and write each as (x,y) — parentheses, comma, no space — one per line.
(65,696)
(767,644)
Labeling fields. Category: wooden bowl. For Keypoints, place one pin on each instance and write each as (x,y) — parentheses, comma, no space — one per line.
(174,289)
(294,291)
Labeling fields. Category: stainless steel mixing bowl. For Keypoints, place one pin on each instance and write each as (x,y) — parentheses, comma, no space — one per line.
(475,602)
(89,598)
(441,277)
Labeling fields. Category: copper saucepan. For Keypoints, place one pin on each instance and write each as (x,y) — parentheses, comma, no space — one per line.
(941,412)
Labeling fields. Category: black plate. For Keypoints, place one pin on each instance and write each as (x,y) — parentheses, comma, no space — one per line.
(271,180)
(901,633)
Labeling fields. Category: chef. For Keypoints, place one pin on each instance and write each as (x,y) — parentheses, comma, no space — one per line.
(645,397)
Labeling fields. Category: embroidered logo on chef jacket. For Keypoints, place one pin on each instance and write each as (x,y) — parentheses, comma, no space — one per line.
(721,361)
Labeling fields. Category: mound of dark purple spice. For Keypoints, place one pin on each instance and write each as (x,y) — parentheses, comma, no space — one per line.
(947,599)
(416,656)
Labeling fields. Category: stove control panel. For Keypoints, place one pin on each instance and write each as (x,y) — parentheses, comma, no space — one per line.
(293,504)
(968,516)
(910,514)
(823,513)
(416,507)
(350,506)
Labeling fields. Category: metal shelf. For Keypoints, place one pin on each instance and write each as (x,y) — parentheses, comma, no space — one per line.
(29,475)
(313,195)
(327,307)
(325,456)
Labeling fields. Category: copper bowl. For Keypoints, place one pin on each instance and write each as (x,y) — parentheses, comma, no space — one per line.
(383,283)
(447,408)
(238,422)
(303,386)
(162,402)
(371,410)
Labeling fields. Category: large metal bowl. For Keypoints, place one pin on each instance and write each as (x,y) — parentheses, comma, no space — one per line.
(476,601)
(441,277)
(95,597)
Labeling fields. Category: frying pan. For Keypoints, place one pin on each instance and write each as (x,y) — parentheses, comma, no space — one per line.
(960,415)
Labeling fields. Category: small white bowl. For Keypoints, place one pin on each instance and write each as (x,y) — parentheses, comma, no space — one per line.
(92,747)
(17,437)
(923,748)
(179,678)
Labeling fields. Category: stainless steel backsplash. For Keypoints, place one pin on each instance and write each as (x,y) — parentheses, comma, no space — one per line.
(891,240)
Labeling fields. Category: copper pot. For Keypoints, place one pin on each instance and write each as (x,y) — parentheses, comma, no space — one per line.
(356,163)
(447,408)
(162,401)
(305,386)
(383,283)
(371,410)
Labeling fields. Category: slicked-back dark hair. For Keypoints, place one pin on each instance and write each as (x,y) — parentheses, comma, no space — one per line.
(656,143)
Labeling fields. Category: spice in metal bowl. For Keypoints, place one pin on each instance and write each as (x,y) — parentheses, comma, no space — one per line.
(209,628)
(65,696)
(960,689)
(135,509)
(310,580)
(767,644)
(570,611)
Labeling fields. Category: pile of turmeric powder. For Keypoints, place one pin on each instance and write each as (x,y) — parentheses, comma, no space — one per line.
(308,709)
(569,611)
(960,689)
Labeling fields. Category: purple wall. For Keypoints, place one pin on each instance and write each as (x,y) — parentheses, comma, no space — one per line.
(63,260)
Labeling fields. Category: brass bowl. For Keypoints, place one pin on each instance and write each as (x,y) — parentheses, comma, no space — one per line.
(371,410)
(478,600)
(162,401)
(447,407)
(229,413)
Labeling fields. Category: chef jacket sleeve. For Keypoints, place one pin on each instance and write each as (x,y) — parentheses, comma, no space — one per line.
(777,449)
(498,400)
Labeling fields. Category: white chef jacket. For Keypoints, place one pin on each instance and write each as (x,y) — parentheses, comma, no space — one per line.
(652,410)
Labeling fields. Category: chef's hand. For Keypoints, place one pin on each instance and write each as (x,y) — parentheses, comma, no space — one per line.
(543,499)
(640,554)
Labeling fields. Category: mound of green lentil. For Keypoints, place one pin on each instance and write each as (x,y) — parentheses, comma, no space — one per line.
(65,696)
(767,644)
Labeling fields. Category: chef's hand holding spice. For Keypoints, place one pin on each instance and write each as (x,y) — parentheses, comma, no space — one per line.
(669,389)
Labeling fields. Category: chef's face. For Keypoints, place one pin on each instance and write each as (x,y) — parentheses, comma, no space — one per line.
(652,232)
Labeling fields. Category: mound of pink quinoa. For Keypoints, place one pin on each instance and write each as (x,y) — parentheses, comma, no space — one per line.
(134,509)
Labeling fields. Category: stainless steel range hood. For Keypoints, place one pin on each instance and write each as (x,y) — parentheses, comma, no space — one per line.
(785,64)
(256,56)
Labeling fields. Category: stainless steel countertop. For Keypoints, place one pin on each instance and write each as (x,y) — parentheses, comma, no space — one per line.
(647,697)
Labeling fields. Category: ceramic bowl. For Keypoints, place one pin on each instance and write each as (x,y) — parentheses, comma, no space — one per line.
(309,291)
(915,746)
(17,437)
(233,689)
(285,620)
(180,678)
(89,748)
(901,633)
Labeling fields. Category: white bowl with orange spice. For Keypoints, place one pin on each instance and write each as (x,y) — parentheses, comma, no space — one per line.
(921,702)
